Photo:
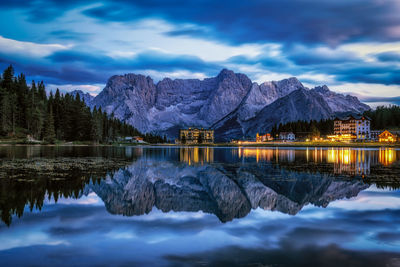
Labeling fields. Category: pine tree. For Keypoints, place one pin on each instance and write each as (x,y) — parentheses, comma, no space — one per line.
(49,134)
(7,79)
(57,115)
(96,126)
(5,112)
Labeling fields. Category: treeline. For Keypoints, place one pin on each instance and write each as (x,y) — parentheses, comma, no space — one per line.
(381,118)
(384,117)
(30,111)
(305,128)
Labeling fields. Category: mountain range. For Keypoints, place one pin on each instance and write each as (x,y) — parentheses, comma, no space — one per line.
(230,103)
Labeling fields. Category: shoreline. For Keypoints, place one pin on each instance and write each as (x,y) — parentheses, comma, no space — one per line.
(267,144)
(292,144)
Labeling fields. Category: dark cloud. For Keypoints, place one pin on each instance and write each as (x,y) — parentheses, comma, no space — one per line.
(268,62)
(235,21)
(188,32)
(343,65)
(317,56)
(287,21)
(301,27)
(395,100)
(145,60)
(388,57)
(367,73)
(77,67)
(69,35)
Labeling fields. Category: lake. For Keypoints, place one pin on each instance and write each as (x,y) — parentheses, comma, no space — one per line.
(199,206)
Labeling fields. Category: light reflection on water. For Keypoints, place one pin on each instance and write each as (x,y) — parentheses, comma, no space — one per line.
(199,206)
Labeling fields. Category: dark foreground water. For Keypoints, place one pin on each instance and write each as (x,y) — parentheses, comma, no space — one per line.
(153,206)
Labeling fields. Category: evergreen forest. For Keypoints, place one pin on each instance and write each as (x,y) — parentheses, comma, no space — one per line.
(28,111)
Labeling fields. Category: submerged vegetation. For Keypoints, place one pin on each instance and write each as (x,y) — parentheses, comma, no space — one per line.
(32,181)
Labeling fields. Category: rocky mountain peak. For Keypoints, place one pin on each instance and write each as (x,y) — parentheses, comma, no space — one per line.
(339,102)
(171,104)
(322,89)
(225,73)
(290,82)
(130,82)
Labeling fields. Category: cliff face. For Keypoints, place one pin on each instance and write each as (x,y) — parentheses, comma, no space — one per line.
(230,103)
(301,104)
(171,104)
(339,103)
(229,194)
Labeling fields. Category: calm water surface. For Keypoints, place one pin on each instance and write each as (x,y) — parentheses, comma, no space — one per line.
(171,206)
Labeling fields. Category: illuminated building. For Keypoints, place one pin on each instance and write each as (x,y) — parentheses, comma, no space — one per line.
(352,128)
(387,136)
(375,134)
(263,138)
(196,136)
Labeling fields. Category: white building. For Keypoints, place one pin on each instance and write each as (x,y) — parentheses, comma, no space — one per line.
(287,136)
(134,139)
(353,128)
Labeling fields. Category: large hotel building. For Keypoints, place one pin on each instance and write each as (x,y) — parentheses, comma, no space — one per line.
(353,128)
(196,136)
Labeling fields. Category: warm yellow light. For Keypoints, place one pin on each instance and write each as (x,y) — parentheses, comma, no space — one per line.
(387,156)
(346,156)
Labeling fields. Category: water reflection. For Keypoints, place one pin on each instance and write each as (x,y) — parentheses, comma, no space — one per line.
(350,161)
(227,191)
(264,155)
(387,156)
(227,182)
(174,200)
(196,155)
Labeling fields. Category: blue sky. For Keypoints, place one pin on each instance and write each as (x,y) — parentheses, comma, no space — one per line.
(351,46)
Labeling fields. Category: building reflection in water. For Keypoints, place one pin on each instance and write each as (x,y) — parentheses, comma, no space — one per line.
(269,154)
(345,160)
(196,155)
(387,156)
(350,161)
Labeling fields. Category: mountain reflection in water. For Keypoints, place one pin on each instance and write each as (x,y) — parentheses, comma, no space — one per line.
(227,182)
(196,206)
